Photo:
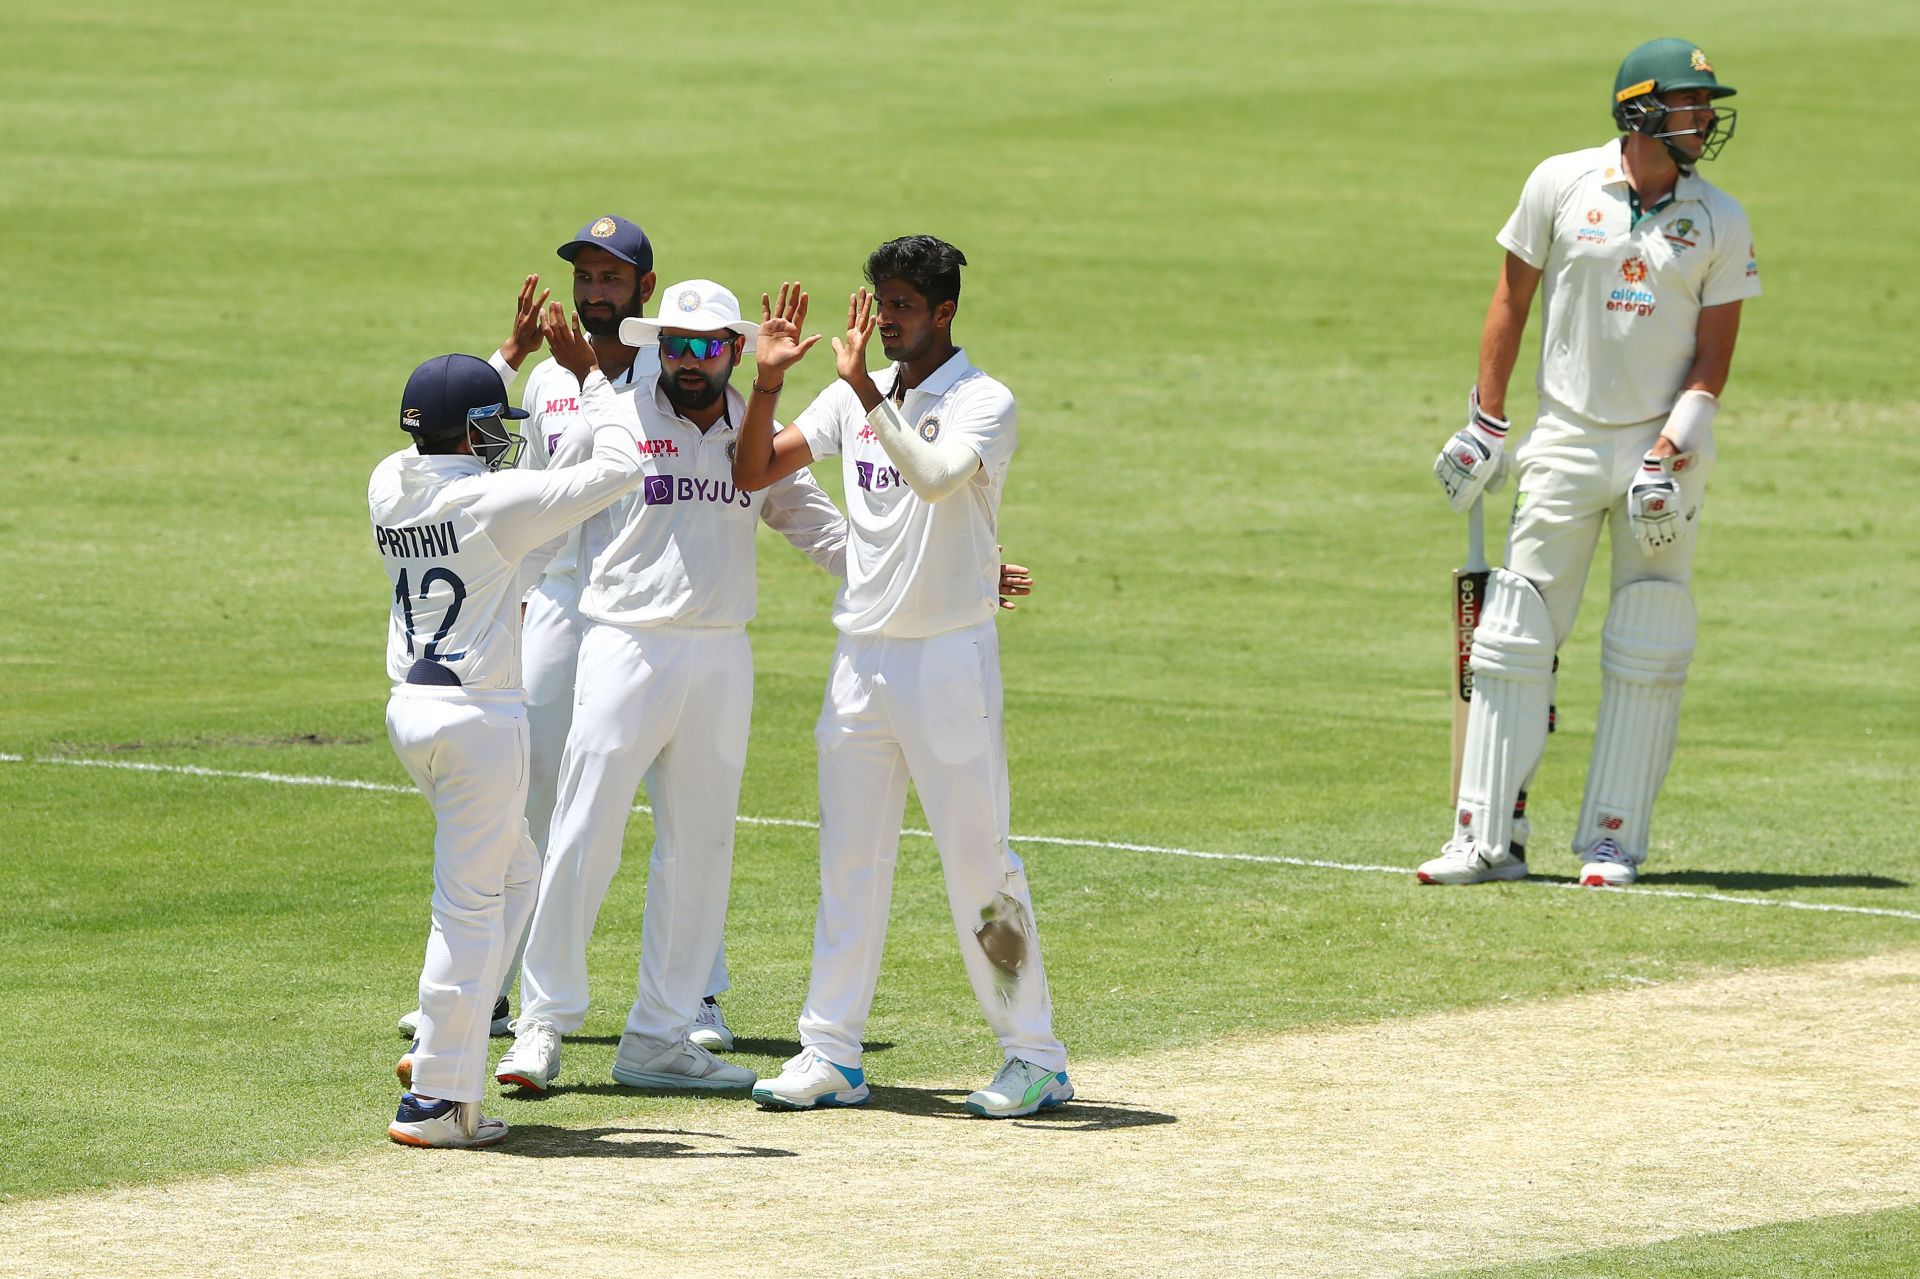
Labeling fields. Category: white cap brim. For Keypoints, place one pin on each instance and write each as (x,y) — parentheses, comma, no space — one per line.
(638,331)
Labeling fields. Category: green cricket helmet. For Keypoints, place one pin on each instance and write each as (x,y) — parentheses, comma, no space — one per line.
(1664,66)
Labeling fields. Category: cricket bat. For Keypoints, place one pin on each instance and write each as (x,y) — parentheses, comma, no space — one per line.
(1469,596)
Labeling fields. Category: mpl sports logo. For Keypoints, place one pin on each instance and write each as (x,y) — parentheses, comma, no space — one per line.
(1632,299)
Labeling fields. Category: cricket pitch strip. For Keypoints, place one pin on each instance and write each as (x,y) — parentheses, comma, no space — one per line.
(1389,1149)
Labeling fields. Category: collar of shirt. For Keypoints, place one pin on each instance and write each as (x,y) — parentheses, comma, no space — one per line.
(445,464)
(1686,187)
(938,382)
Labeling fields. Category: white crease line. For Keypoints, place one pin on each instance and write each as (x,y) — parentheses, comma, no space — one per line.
(348,783)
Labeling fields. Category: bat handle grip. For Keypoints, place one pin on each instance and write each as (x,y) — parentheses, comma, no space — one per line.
(1477,536)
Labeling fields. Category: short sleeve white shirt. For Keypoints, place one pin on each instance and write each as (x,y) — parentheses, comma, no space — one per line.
(1621,301)
(679,550)
(917,568)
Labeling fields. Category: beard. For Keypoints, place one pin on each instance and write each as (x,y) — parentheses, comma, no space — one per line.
(691,399)
(606,324)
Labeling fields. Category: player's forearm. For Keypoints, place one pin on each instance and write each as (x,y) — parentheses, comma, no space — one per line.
(753,451)
(1500,336)
(933,468)
(1499,352)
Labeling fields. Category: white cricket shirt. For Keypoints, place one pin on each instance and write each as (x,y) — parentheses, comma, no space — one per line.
(918,568)
(679,549)
(551,399)
(1622,301)
(453,534)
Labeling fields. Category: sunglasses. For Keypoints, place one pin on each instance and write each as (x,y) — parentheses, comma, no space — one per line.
(673,346)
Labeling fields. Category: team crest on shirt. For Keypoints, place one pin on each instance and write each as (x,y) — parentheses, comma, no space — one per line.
(603,228)
(930,427)
(1680,234)
(689,300)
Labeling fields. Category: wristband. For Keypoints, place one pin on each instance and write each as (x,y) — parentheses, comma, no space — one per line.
(1690,419)
(769,390)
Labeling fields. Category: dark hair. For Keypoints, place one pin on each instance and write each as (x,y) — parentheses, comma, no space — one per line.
(930,265)
(439,444)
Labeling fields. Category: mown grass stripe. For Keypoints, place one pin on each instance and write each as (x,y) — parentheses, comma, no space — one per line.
(1160,850)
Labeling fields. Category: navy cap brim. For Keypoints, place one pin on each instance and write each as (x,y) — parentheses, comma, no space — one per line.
(571,250)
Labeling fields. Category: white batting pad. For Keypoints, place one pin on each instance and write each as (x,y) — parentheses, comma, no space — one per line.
(1507,724)
(1644,651)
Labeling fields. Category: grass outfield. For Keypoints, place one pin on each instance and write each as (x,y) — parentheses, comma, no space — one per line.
(1232,266)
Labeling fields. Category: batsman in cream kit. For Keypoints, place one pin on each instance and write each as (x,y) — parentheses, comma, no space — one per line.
(454,531)
(1641,266)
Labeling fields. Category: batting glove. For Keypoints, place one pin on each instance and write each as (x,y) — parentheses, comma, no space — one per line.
(1473,460)
(1654,506)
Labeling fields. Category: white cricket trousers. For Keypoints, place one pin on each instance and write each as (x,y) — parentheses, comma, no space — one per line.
(1573,477)
(467,752)
(930,710)
(549,654)
(671,706)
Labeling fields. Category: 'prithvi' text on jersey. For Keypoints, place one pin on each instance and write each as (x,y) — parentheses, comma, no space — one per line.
(427,541)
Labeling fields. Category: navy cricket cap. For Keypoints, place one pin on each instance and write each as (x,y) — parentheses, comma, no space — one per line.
(617,236)
(441,391)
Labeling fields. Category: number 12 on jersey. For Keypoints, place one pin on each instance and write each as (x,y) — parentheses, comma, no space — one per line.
(404,599)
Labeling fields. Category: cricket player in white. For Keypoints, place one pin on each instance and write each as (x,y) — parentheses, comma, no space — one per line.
(454,532)
(665,692)
(914,691)
(1642,267)
(612,266)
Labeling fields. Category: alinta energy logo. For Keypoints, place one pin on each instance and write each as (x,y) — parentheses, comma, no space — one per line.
(1593,232)
(1632,299)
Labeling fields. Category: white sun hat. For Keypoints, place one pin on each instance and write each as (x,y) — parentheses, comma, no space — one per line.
(697,306)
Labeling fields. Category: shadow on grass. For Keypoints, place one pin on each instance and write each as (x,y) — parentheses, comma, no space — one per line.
(1766,882)
(546,1141)
(782,1048)
(1075,1116)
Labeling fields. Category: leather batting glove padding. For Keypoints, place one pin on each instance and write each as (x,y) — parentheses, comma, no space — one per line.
(1473,461)
(1654,505)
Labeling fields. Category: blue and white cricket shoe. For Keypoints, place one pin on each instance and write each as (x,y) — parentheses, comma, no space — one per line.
(1020,1089)
(443,1125)
(809,1081)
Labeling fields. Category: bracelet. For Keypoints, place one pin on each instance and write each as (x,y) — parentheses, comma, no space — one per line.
(769,390)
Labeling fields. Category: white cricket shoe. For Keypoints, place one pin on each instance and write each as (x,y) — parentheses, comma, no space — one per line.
(1020,1089)
(534,1060)
(443,1125)
(501,1028)
(1463,861)
(710,1028)
(1608,866)
(810,1080)
(685,1066)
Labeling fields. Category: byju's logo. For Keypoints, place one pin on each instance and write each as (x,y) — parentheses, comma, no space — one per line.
(657,490)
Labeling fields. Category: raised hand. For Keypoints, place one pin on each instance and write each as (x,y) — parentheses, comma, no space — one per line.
(780,346)
(569,344)
(525,338)
(851,355)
